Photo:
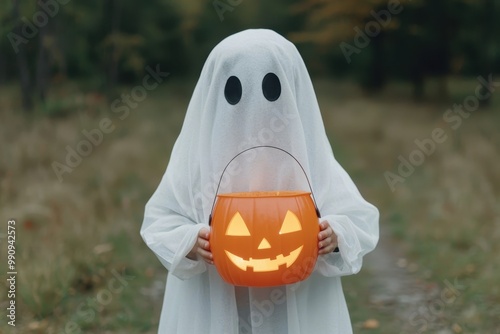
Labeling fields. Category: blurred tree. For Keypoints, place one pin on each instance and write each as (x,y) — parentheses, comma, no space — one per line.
(116,39)
(5,28)
(113,41)
(42,65)
(153,37)
(329,23)
(415,40)
(18,40)
(104,41)
(206,24)
(422,45)
(489,10)
(3,75)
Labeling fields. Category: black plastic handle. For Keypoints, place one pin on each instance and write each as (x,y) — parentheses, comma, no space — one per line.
(252,148)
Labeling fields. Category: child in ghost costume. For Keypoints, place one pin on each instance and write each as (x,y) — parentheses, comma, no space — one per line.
(254,90)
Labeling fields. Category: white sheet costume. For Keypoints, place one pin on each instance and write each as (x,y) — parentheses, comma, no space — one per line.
(233,108)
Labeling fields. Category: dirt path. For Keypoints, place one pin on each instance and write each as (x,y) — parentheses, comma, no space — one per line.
(419,307)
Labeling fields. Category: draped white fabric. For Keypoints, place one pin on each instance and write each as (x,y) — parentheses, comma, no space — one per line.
(214,131)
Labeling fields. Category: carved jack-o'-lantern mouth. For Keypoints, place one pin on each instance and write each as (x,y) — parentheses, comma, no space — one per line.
(264,265)
(237,227)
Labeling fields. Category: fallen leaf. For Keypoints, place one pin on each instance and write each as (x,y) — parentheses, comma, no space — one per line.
(28,225)
(38,325)
(371,324)
(470,268)
(103,248)
(402,263)
(456,328)
(150,272)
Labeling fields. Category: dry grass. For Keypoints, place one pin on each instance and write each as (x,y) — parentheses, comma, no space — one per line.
(72,236)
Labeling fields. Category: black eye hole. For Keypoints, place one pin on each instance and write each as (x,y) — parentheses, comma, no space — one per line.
(271,87)
(232,91)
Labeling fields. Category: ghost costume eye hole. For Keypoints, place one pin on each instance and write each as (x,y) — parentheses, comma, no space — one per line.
(233,90)
(271,87)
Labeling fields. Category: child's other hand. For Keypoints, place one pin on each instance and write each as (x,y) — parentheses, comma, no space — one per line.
(202,246)
(327,238)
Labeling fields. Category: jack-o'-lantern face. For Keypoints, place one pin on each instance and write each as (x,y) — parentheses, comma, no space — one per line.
(238,227)
(262,240)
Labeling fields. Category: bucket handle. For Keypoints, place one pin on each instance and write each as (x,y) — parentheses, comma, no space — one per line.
(262,146)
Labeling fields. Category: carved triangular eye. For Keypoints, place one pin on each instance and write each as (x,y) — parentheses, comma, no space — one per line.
(237,226)
(291,223)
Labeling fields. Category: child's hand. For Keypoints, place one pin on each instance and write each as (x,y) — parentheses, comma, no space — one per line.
(202,247)
(327,238)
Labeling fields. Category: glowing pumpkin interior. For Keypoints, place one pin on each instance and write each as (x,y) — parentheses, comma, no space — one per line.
(264,238)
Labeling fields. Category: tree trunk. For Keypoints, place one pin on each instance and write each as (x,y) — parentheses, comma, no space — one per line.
(22,62)
(113,53)
(42,64)
(3,75)
(488,38)
(443,92)
(378,71)
(418,79)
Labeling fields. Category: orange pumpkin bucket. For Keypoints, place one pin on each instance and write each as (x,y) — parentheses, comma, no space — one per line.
(264,238)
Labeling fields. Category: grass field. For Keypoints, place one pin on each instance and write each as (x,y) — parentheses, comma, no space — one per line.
(84,268)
